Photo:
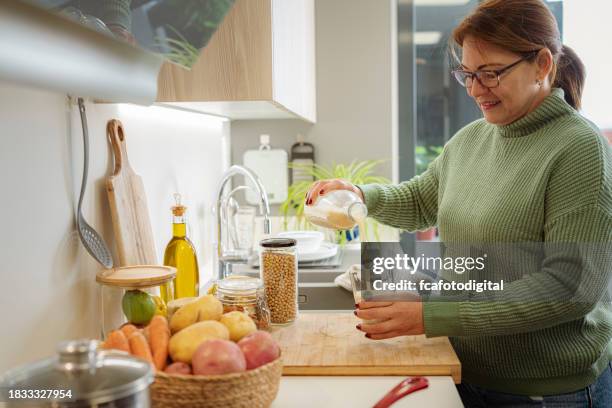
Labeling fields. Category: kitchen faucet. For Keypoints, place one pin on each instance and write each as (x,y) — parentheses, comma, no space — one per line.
(226,260)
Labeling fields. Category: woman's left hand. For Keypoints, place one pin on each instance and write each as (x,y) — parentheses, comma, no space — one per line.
(397,319)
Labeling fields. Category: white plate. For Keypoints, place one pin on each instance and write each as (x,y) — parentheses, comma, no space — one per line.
(326,250)
(307,241)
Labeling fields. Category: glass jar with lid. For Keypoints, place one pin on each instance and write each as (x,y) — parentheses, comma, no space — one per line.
(279,272)
(133,294)
(244,294)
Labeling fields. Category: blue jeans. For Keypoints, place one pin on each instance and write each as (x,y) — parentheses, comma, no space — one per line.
(596,395)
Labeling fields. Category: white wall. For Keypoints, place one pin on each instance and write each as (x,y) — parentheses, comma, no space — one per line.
(355,88)
(587,29)
(47,279)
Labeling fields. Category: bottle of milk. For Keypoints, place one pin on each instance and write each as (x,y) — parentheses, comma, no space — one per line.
(338,209)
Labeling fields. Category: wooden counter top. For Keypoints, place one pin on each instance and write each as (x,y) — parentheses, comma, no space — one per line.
(321,343)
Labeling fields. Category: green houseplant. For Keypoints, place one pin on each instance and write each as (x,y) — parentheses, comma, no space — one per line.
(425,155)
(357,172)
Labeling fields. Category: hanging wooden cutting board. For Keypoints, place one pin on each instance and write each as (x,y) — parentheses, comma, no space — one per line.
(128,204)
(329,344)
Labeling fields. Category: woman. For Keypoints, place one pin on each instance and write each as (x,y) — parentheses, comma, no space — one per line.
(532,170)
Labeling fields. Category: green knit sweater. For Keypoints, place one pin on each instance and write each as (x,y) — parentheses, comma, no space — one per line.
(545,178)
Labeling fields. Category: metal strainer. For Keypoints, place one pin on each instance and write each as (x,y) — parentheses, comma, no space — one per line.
(92,241)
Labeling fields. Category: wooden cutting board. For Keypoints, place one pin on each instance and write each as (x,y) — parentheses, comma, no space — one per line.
(128,204)
(329,344)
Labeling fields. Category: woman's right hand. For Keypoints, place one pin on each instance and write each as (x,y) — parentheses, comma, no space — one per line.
(322,187)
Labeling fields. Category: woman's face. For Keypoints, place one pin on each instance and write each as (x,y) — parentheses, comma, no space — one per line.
(518,92)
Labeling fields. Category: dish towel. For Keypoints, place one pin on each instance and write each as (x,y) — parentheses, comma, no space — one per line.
(344,281)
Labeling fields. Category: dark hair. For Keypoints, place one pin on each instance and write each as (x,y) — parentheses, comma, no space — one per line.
(522,26)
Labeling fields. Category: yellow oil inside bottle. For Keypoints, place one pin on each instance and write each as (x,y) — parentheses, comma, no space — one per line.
(181,254)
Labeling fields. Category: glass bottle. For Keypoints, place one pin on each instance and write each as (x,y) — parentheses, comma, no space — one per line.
(181,254)
(338,209)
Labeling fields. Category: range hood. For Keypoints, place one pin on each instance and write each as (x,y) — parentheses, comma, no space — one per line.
(105,49)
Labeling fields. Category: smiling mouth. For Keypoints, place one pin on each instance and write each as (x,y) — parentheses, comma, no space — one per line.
(487,105)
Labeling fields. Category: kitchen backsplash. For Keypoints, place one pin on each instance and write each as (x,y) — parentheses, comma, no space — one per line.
(40,168)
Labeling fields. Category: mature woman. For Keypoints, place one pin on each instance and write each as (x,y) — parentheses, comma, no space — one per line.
(532,170)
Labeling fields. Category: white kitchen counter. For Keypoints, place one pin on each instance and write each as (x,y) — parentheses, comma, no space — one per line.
(363,391)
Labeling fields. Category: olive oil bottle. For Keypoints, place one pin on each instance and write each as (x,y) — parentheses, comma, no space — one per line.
(181,254)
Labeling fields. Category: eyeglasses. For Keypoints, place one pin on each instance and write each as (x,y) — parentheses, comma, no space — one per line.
(487,78)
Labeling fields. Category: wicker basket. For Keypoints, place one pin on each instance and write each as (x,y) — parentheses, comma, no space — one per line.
(249,389)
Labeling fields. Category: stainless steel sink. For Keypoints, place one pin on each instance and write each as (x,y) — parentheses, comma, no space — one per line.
(316,287)
(324,296)
(317,291)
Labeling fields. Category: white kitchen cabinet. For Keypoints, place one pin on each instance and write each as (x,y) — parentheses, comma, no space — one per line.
(260,64)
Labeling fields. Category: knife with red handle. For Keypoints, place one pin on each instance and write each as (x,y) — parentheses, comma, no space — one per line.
(408,386)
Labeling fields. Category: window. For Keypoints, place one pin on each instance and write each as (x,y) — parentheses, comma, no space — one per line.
(432,106)
(588,31)
(442,106)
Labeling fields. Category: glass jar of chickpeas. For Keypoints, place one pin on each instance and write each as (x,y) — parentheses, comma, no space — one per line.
(279,272)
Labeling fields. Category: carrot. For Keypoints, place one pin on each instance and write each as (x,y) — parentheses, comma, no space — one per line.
(128,329)
(159,337)
(147,334)
(117,340)
(140,347)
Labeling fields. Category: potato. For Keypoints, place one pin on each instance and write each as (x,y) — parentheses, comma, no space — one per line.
(218,357)
(205,308)
(259,348)
(176,304)
(178,368)
(239,324)
(184,343)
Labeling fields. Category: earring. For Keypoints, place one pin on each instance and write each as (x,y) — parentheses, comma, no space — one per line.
(539,82)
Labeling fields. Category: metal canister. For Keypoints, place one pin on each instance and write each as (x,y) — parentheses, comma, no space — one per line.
(80,375)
